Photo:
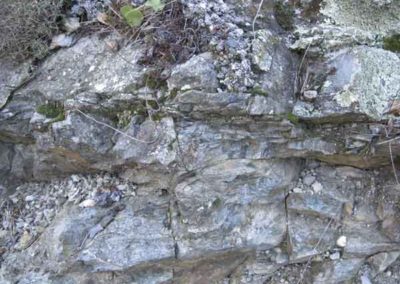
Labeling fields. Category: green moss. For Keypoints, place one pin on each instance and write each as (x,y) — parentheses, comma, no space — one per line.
(173,93)
(153,104)
(53,110)
(292,118)
(152,81)
(217,203)
(257,90)
(158,116)
(123,118)
(59,117)
(131,88)
(284,15)
(392,43)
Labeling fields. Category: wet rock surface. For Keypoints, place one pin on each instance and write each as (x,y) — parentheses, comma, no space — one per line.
(269,156)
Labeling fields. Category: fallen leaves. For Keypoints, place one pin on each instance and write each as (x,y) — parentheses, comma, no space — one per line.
(394,108)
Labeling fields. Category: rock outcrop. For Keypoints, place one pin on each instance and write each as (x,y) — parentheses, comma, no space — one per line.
(269,156)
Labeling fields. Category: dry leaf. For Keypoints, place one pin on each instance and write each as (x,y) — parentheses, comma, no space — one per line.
(102,18)
(394,108)
(112,45)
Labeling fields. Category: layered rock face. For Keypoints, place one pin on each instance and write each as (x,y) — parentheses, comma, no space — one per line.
(269,156)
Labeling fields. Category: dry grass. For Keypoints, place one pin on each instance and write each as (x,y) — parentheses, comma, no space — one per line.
(26,27)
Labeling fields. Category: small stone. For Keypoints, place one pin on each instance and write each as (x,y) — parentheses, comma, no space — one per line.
(71,24)
(122,187)
(87,203)
(317,187)
(310,95)
(297,190)
(75,178)
(308,180)
(341,241)
(365,280)
(335,256)
(30,198)
(282,258)
(62,40)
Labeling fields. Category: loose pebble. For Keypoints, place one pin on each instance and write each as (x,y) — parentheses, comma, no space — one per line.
(341,241)
(317,187)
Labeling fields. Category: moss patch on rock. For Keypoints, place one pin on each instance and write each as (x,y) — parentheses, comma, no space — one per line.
(293,118)
(392,43)
(257,90)
(53,110)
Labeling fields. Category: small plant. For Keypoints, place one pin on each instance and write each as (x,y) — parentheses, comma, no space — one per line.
(392,43)
(257,90)
(134,16)
(52,110)
(292,118)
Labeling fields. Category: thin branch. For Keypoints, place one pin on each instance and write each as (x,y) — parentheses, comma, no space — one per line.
(256,16)
(391,158)
(388,141)
(315,248)
(393,166)
(115,129)
(299,69)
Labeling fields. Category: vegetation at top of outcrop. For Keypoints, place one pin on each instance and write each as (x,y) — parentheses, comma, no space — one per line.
(26,27)
(134,16)
(392,43)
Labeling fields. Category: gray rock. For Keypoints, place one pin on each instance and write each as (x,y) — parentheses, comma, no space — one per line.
(155,142)
(304,242)
(310,95)
(363,15)
(366,239)
(86,66)
(232,214)
(383,260)
(81,135)
(198,73)
(215,169)
(354,91)
(199,104)
(137,235)
(337,271)
(263,48)
(317,205)
(11,78)
(308,180)
(279,69)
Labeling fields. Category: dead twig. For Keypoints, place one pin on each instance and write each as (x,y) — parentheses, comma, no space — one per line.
(314,249)
(115,129)
(391,158)
(299,69)
(256,16)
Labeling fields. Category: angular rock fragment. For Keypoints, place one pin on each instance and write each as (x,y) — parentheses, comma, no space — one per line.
(337,271)
(198,73)
(355,90)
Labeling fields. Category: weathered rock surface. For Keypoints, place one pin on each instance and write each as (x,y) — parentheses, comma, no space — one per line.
(248,163)
(363,85)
